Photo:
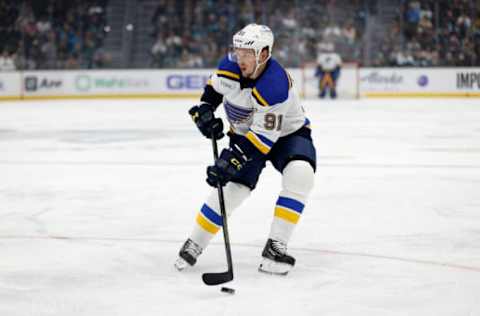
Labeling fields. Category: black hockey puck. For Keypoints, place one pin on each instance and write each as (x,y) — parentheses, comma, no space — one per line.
(227,290)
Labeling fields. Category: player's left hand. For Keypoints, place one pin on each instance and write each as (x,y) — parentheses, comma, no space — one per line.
(203,116)
(227,165)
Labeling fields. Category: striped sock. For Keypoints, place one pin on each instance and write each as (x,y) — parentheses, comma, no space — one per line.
(208,223)
(286,216)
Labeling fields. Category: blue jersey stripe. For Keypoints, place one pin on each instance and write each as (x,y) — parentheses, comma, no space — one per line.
(235,113)
(211,215)
(237,110)
(291,204)
(236,116)
(232,111)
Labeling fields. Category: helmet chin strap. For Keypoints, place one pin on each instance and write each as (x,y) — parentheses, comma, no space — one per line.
(257,58)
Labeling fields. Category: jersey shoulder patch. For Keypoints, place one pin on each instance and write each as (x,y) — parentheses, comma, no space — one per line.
(228,69)
(272,87)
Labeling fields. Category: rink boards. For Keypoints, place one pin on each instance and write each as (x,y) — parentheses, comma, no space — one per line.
(173,83)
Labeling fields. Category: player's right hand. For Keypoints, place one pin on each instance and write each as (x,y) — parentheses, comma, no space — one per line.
(202,115)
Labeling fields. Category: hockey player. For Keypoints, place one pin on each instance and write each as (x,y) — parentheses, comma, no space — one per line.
(267,123)
(328,71)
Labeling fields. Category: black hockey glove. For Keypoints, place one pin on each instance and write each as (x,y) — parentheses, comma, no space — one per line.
(206,122)
(230,162)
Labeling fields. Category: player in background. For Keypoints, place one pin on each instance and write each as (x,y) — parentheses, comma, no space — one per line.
(267,123)
(328,70)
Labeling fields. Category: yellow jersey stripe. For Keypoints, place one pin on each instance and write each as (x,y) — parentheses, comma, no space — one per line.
(228,74)
(259,97)
(209,82)
(257,143)
(286,215)
(206,224)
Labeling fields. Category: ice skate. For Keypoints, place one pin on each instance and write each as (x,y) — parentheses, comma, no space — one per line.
(188,255)
(275,258)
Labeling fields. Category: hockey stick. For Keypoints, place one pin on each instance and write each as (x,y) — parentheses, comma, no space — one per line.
(221,277)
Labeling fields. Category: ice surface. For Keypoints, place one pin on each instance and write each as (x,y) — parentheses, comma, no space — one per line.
(96,197)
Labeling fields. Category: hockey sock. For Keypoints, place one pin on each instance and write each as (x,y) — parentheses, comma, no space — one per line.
(297,182)
(209,220)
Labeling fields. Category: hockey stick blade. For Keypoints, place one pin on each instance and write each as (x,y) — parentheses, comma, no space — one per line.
(217,278)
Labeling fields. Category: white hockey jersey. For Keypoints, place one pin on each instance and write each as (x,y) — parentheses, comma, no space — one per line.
(263,109)
(329,61)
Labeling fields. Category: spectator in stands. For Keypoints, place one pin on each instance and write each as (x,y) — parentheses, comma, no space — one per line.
(349,33)
(464,24)
(188,60)
(72,62)
(88,49)
(332,31)
(52,34)
(101,58)
(49,52)
(205,22)
(7,62)
(44,34)
(159,51)
(159,18)
(412,18)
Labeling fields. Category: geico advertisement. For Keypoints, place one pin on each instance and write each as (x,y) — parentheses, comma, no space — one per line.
(116,82)
(186,81)
(9,84)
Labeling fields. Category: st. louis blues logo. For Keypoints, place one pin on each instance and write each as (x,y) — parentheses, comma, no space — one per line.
(235,113)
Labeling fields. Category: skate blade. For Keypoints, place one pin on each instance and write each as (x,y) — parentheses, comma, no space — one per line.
(180,264)
(275,268)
